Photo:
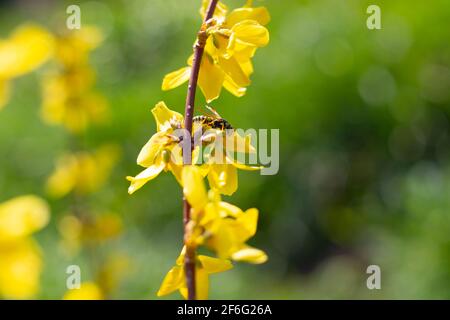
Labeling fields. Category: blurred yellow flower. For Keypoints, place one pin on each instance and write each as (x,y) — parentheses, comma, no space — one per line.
(162,151)
(68,95)
(27,48)
(223,227)
(176,279)
(20,257)
(87,291)
(74,47)
(231,43)
(88,230)
(82,172)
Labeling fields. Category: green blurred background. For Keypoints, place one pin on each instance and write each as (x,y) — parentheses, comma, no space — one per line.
(364,146)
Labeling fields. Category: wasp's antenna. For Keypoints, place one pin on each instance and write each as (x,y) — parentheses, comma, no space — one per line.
(213,111)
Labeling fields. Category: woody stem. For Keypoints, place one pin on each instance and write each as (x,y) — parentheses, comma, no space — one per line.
(199,48)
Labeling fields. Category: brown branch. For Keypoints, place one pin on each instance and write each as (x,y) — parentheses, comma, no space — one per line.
(199,48)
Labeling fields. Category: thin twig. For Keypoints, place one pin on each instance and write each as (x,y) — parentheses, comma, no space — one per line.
(199,48)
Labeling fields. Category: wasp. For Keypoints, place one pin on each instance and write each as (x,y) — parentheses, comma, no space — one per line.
(215,121)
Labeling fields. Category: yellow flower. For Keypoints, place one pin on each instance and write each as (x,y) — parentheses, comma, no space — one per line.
(221,226)
(232,41)
(87,291)
(82,172)
(69,102)
(73,48)
(68,97)
(20,256)
(26,49)
(176,279)
(162,151)
(221,164)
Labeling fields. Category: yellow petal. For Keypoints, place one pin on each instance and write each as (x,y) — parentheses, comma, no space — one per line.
(233,88)
(163,115)
(150,150)
(210,79)
(223,238)
(232,68)
(20,268)
(202,284)
(250,32)
(217,44)
(250,255)
(21,216)
(4,93)
(229,210)
(177,171)
(176,78)
(174,280)
(223,177)
(184,292)
(27,48)
(180,259)
(243,166)
(87,291)
(193,187)
(248,223)
(145,176)
(214,265)
(260,14)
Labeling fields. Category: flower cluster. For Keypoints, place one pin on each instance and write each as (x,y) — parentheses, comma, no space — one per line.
(221,226)
(70,100)
(20,256)
(82,172)
(68,95)
(163,152)
(230,40)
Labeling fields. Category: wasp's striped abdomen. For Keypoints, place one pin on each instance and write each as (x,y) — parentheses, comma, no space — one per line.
(212,123)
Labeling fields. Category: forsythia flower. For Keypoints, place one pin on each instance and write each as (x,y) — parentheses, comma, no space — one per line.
(162,151)
(82,172)
(176,279)
(232,40)
(26,49)
(221,164)
(20,257)
(223,227)
(68,97)
(87,291)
